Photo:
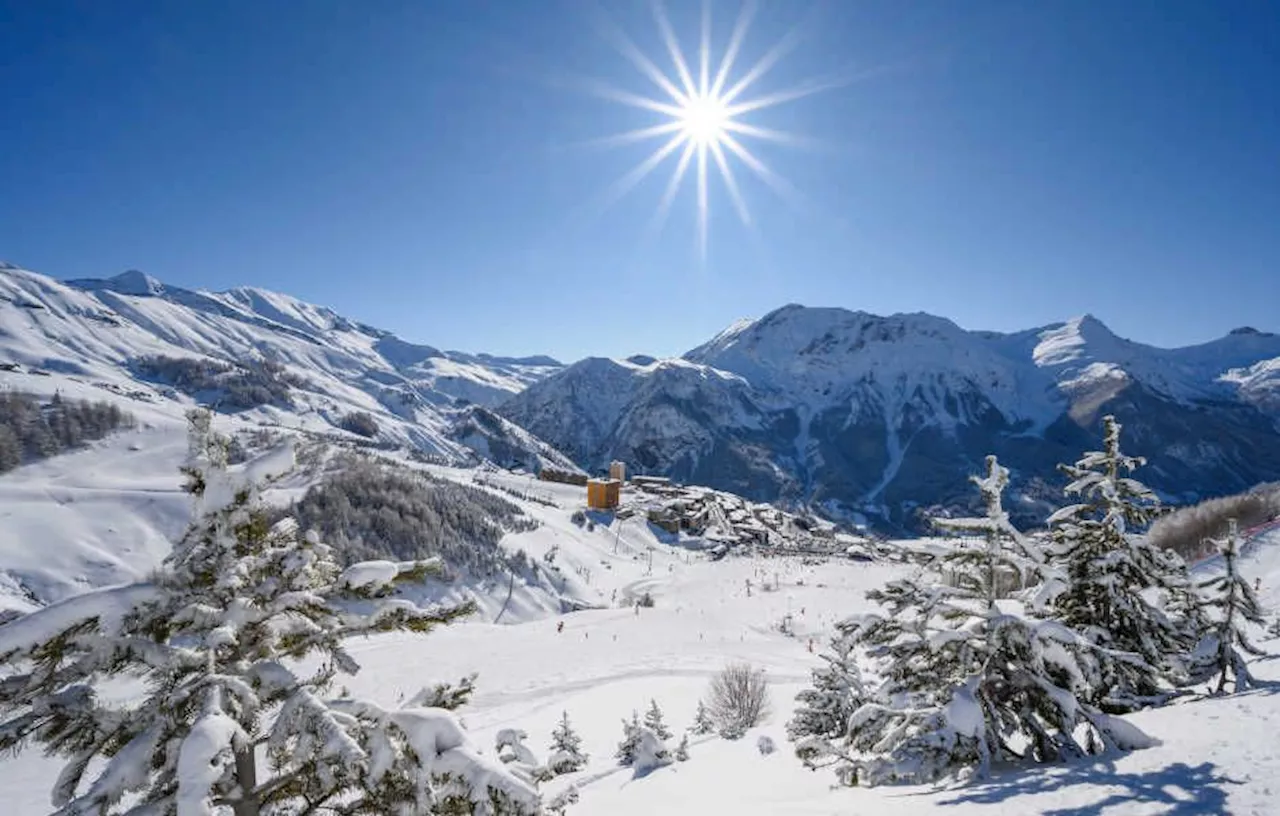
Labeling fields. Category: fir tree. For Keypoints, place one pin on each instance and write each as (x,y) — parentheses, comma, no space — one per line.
(682,750)
(823,711)
(1108,569)
(228,719)
(451,696)
(653,721)
(1008,561)
(650,752)
(626,753)
(967,680)
(702,723)
(1220,652)
(565,755)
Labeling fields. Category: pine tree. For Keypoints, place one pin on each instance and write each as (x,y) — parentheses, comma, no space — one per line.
(1220,652)
(682,750)
(650,752)
(451,696)
(967,679)
(228,720)
(702,723)
(653,721)
(1008,561)
(824,710)
(565,755)
(1108,569)
(626,753)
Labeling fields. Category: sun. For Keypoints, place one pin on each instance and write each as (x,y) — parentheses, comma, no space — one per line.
(701,114)
(704,120)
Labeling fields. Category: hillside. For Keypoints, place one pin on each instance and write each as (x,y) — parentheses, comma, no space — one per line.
(1214,756)
(269,357)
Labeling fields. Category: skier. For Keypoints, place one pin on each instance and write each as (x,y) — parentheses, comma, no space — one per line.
(559,627)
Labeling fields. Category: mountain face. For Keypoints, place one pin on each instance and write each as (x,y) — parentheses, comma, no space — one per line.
(269,356)
(876,417)
(860,416)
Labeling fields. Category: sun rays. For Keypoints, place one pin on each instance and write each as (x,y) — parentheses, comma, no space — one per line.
(700,113)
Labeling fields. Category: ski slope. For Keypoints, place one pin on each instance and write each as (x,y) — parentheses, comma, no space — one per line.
(1215,756)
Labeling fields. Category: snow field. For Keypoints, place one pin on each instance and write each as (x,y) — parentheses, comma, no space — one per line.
(1215,756)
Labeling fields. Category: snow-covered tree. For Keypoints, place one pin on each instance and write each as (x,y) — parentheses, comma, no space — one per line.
(702,722)
(682,750)
(237,639)
(823,711)
(640,747)
(966,685)
(653,721)
(509,743)
(626,753)
(1108,569)
(451,696)
(650,752)
(1221,650)
(1009,561)
(565,755)
(967,680)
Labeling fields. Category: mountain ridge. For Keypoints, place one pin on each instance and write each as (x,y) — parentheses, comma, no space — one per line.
(130,334)
(874,416)
(861,416)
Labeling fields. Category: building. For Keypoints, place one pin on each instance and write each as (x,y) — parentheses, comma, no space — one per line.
(618,470)
(651,481)
(563,476)
(603,494)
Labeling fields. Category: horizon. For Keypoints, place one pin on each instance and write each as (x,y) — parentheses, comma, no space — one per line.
(435,172)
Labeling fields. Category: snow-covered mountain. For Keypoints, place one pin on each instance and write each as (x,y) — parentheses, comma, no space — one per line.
(852,413)
(289,362)
(862,414)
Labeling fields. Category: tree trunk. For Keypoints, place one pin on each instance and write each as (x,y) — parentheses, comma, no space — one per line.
(247,775)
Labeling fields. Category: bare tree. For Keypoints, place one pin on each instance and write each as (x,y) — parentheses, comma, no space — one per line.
(738,699)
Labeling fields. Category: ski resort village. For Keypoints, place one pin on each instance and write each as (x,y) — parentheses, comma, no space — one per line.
(639,408)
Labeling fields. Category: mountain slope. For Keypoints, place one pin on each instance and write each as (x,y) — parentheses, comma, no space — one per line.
(854,414)
(290,362)
(869,415)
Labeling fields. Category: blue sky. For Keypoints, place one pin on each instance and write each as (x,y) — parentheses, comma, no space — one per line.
(420,165)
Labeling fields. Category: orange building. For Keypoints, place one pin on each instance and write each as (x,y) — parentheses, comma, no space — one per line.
(603,494)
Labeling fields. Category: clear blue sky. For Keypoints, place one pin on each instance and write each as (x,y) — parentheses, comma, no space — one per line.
(417,164)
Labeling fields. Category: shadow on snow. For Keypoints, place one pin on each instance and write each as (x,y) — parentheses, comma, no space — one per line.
(1176,790)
